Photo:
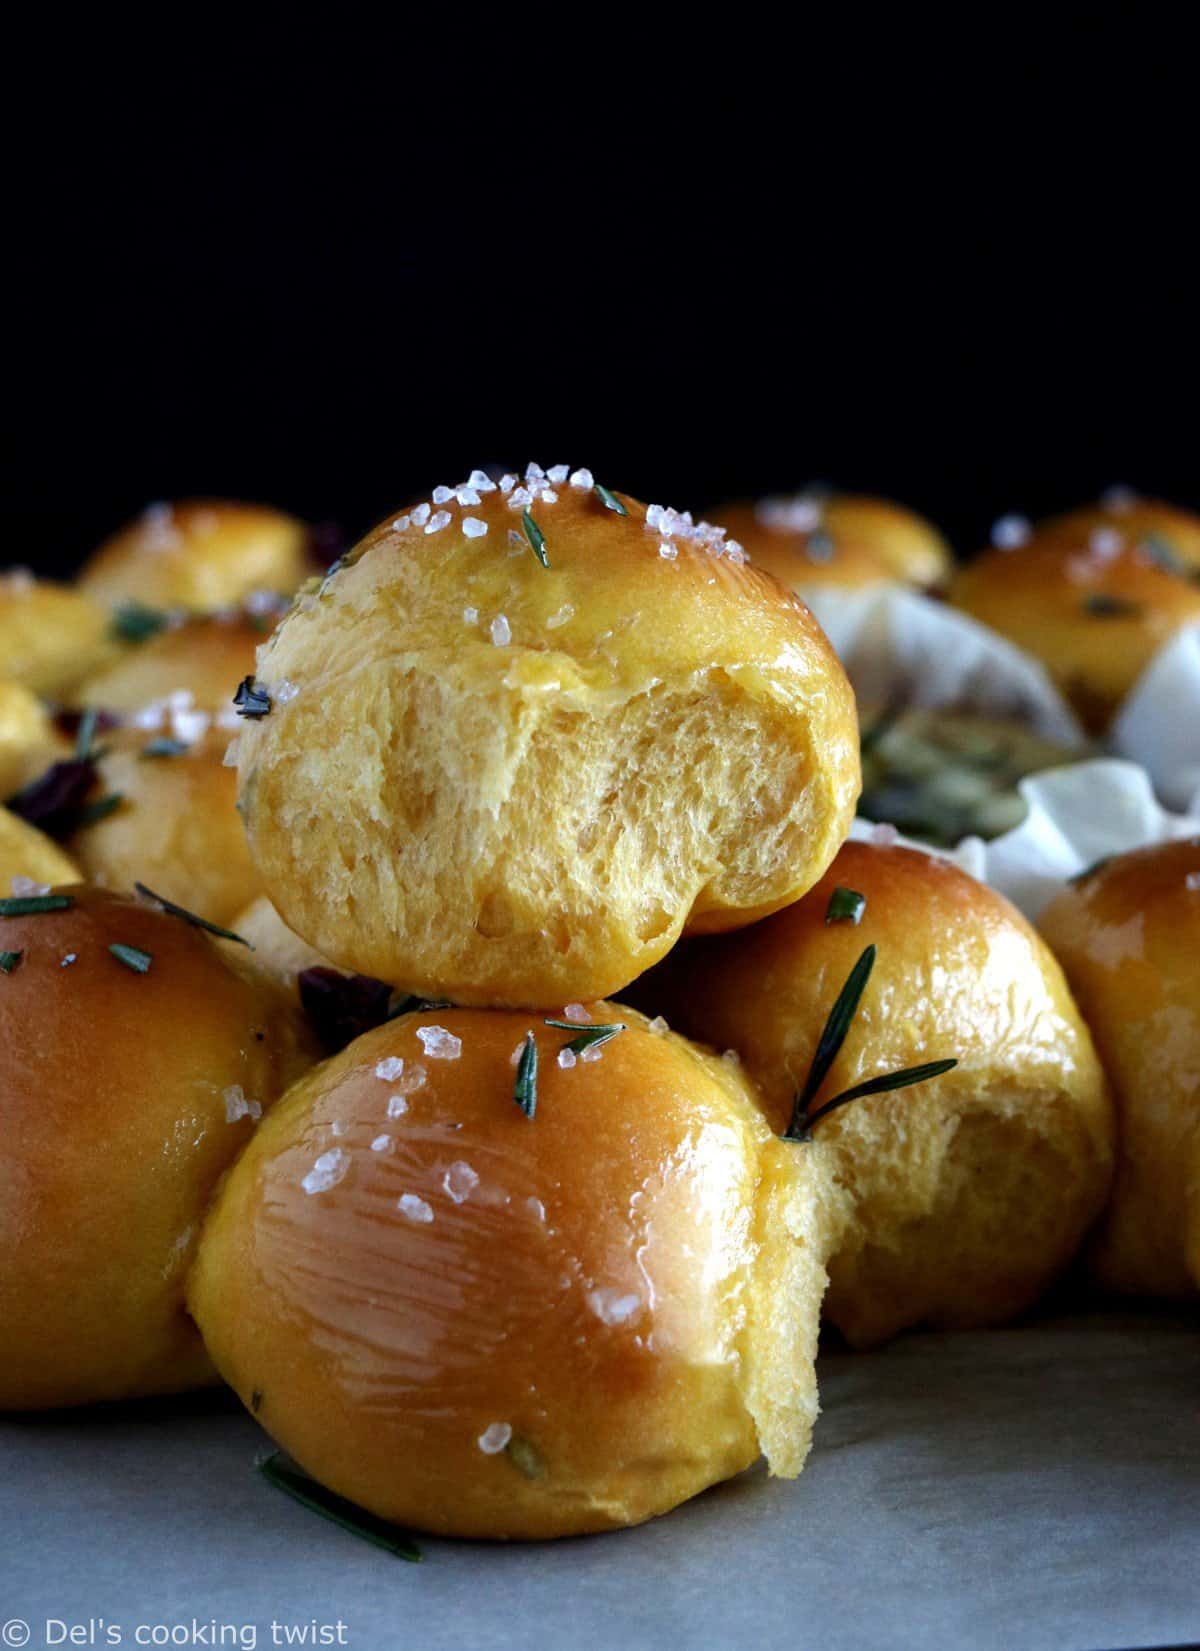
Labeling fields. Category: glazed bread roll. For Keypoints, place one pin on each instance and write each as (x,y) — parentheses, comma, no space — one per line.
(1094,609)
(175,827)
(1128,936)
(203,656)
(276,948)
(124,1096)
(502,782)
(489,1324)
(1161,529)
(51,637)
(791,539)
(968,1193)
(201,554)
(27,854)
(908,544)
(29,740)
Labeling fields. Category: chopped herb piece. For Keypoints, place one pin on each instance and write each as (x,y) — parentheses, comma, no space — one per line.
(1103,606)
(1163,552)
(408,1004)
(339,1007)
(134,622)
(31,905)
(294,1482)
(190,916)
(524,1457)
(256,1400)
(164,746)
(132,957)
(525,1091)
(537,539)
(99,810)
(610,499)
(588,1037)
(9,961)
(85,734)
(251,700)
(845,906)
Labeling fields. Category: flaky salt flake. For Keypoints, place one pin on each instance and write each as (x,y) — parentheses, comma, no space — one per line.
(611,1307)
(237,1106)
(439,1044)
(285,692)
(495,1438)
(481,480)
(328,1170)
(561,617)
(500,631)
(474,527)
(415,1209)
(458,1182)
(390,1068)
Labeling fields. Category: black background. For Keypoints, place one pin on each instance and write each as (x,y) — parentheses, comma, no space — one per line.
(946,260)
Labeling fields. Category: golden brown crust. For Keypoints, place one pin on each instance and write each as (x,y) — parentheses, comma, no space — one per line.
(1094,610)
(50,636)
(908,544)
(199,554)
(29,740)
(1128,937)
(1151,523)
(494,782)
(592,1279)
(802,559)
(206,656)
(176,829)
(973,1190)
(113,1118)
(27,852)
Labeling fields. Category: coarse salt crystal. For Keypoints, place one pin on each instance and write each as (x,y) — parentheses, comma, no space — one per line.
(494,1438)
(337,1127)
(519,498)
(68,960)
(561,617)
(558,474)
(592,1053)
(507,483)
(566,1059)
(667,550)
(1009,532)
(1105,542)
(1192,882)
(381,1143)
(458,1182)
(884,835)
(577,1014)
(22,886)
(534,472)
(658,1025)
(285,692)
(439,1044)
(582,479)
(481,480)
(611,1307)
(420,515)
(500,631)
(237,1106)
(473,527)
(328,1170)
(466,494)
(413,1079)
(390,1069)
(397,1106)
(442,495)
(414,1208)
(436,523)
(401,523)
(536,1208)
(471,615)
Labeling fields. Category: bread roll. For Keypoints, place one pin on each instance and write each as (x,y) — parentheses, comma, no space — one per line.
(28,853)
(29,740)
(791,539)
(505,783)
(1128,937)
(50,637)
(908,544)
(1164,530)
(971,1192)
(489,1324)
(176,827)
(123,1097)
(202,554)
(204,656)
(276,948)
(1094,609)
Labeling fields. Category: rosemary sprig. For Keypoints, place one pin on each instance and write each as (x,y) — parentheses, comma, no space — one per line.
(90,813)
(31,905)
(608,498)
(170,907)
(85,734)
(1163,552)
(251,700)
(294,1482)
(135,622)
(163,746)
(537,539)
(9,961)
(833,1036)
(588,1037)
(1102,606)
(525,1089)
(133,957)
(845,906)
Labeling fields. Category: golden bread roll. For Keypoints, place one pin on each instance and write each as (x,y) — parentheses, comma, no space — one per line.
(276,948)
(29,739)
(50,636)
(968,1193)
(790,538)
(124,1096)
(503,782)
(26,852)
(1193,1208)
(176,826)
(908,544)
(1094,610)
(204,656)
(1128,936)
(201,554)
(489,1324)
(1164,530)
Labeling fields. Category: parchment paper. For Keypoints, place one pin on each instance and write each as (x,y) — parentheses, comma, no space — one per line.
(1029,1487)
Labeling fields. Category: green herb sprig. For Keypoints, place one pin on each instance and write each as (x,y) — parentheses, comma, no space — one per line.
(1102,606)
(610,500)
(525,1088)
(133,957)
(135,622)
(164,746)
(9,961)
(191,917)
(587,1037)
(833,1036)
(32,905)
(537,539)
(277,1470)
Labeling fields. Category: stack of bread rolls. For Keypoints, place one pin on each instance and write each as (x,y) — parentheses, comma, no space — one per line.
(502,1093)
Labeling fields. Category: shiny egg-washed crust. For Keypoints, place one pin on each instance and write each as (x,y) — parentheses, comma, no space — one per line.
(1043,596)
(29,740)
(50,637)
(1140,521)
(629,1281)
(176,828)
(206,657)
(199,554)
(968,1193)
(906,543)
(113,1133)
(27,852)
(662,743)
(802,561)
(1128,937)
